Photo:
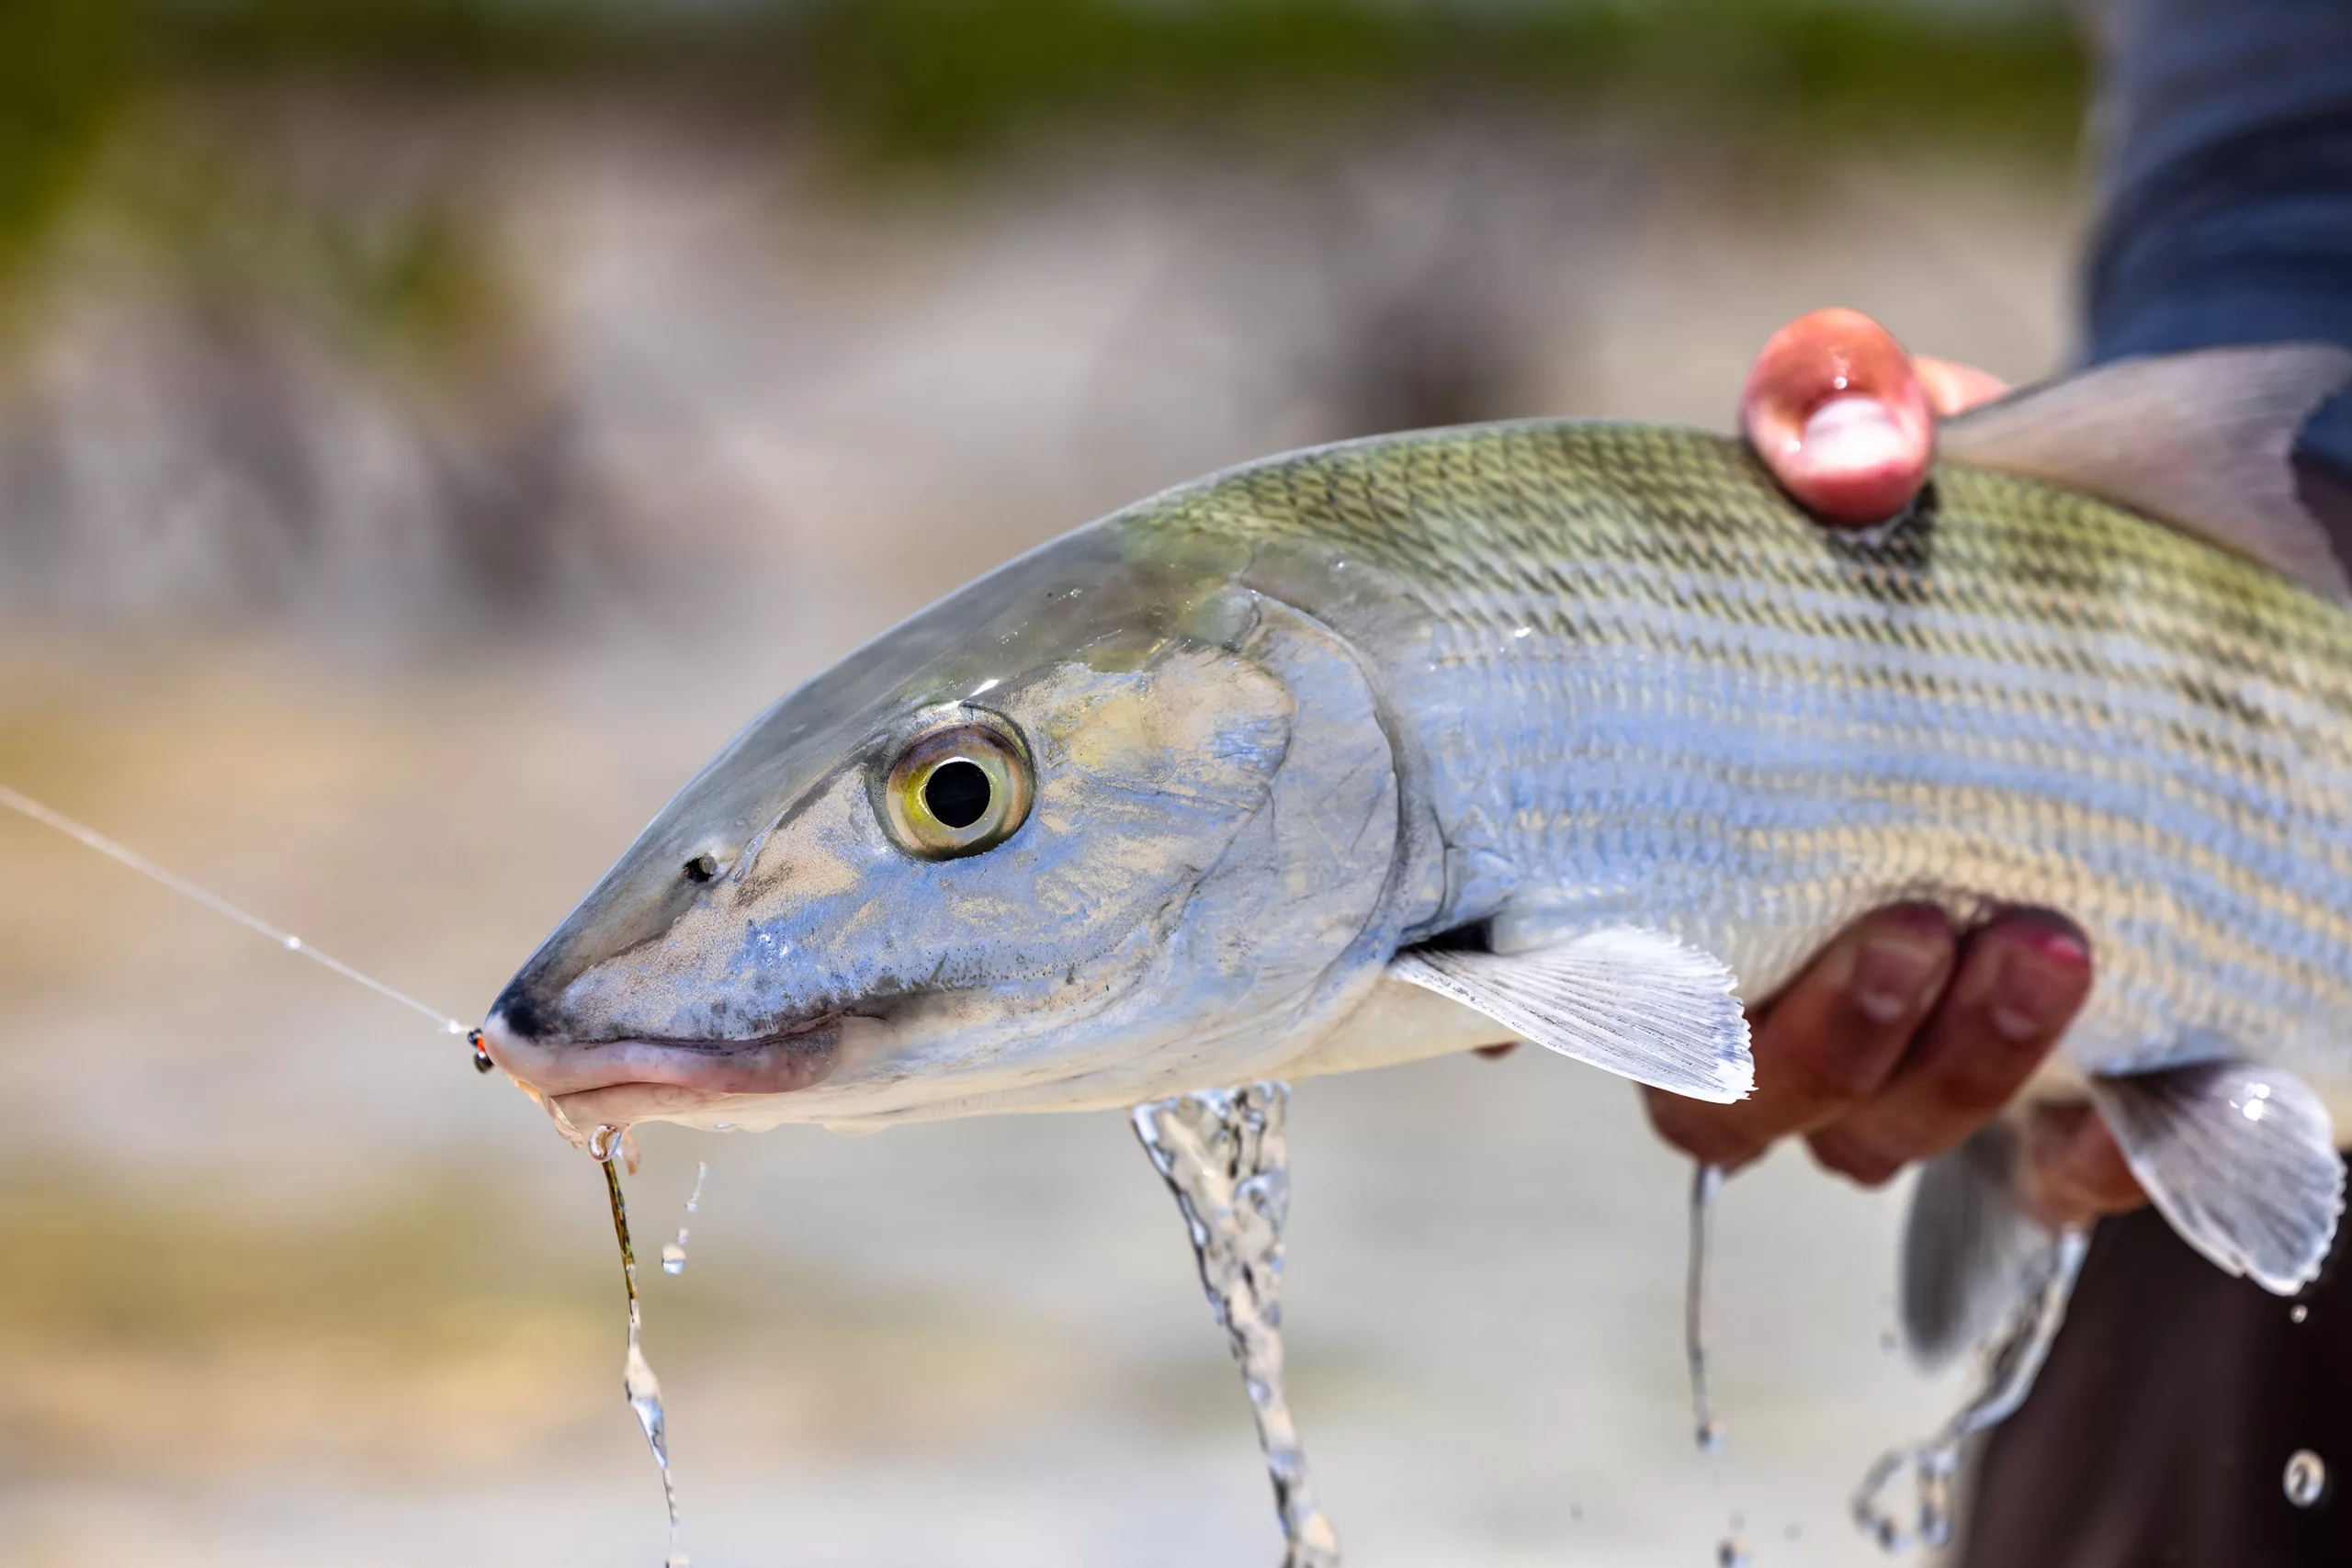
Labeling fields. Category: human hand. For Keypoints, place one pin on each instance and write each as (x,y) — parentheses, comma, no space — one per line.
(1904,1036)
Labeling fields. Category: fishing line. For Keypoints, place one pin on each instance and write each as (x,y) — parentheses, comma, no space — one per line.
(82,833)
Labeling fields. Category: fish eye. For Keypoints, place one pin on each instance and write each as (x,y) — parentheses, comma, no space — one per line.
(702,868)
(956,791)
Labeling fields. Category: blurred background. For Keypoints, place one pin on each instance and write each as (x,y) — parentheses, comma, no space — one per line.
(428,427)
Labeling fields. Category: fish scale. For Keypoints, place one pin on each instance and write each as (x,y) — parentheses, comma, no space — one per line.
(1644,685)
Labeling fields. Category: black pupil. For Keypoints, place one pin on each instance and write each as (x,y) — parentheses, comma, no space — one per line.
(956,792)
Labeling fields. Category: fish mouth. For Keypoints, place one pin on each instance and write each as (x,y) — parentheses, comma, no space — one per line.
(588,1083)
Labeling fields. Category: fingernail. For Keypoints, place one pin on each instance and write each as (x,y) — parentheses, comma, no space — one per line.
(1854,431)
(2036,985)
(1892,973)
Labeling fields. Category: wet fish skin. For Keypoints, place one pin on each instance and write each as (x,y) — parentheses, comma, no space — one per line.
(1646,690)
(1549,677)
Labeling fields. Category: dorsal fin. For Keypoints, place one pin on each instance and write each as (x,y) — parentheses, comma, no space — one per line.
(2200,440)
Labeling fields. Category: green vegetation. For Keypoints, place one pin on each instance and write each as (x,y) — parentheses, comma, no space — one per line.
(936,81)
(939,78)
(65,74)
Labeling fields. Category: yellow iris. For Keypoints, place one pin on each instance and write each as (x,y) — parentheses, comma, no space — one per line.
(956,791)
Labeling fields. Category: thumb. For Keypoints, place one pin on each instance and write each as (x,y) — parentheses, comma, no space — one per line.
(1835,411)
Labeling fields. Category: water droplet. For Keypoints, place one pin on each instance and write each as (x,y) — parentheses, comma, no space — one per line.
(2306,1478)
(293,944)
(1731,1553)
(2297,1313)
(674,1253)
(1709,1437)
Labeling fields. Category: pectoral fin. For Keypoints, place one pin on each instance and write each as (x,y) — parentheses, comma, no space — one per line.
(2241,1158)
(1636,1002)
(1970,1255)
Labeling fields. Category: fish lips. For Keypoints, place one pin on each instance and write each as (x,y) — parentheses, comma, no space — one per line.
(589,1083)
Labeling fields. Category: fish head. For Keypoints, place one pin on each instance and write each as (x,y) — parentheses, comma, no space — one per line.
(1107,823)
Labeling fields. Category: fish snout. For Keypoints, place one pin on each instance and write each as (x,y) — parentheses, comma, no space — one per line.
(621,1081)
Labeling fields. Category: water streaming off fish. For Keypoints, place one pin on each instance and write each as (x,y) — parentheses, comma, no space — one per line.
(2011,1365)
(638,1381)
(1224,1154)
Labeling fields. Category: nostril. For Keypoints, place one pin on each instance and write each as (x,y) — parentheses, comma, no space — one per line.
(516,1014)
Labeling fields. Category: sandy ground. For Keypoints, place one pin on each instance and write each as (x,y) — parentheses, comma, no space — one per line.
(287,1283)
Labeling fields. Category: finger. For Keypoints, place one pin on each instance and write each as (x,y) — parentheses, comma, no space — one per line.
(1953,387)
(1834,410)
(1828,1042)
(2075,1171)
(2020,982)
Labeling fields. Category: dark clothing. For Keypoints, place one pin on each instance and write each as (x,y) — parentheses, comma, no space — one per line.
(2160,1430)
(2226,186)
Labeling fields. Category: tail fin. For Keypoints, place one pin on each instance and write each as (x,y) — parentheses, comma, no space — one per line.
(1970,1255)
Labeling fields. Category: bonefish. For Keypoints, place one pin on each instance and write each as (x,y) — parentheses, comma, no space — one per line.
(1569,732)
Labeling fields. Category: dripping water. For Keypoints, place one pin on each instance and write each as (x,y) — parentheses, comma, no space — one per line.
(1706,1184)
(674,1253)
(1223,1154)
(644,1390)
(2010,1368)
